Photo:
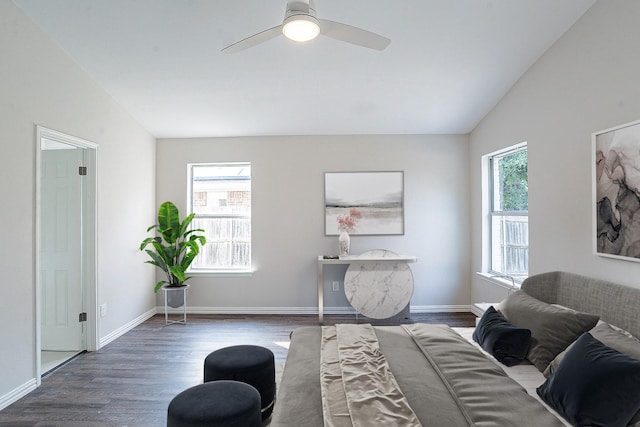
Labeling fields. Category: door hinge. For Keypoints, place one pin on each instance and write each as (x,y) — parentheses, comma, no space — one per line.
(82,317)
(82,170)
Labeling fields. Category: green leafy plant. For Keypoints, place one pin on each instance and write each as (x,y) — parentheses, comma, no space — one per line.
(176,246)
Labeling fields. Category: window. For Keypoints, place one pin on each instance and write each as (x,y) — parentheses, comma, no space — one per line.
(509,205)
(220,197)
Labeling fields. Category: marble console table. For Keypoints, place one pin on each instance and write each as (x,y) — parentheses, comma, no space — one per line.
(372,267)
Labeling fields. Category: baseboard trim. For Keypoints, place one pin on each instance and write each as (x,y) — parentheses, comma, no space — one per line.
(18,393)
(257,310)
(308,310)
(480,307)
(127,327)
(440,308)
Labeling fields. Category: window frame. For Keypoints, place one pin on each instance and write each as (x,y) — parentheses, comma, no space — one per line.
(230,270)
(493,213)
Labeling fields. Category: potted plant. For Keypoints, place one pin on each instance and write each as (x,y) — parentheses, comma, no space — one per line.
(173,249)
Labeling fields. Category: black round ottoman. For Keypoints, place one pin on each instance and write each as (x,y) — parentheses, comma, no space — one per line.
(216,404)
(250,364)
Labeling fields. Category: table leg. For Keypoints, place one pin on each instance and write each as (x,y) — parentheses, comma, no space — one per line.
(320,292)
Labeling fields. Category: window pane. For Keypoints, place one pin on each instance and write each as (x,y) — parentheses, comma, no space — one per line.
(228,243)
(510,245)
(509,208)
(510,182)
(221,190)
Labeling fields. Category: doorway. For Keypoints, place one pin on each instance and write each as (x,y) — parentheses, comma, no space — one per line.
(65,242)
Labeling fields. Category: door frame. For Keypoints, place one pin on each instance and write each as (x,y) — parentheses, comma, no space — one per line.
(89,240)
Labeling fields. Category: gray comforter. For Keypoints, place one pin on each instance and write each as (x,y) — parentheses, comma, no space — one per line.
(446,381)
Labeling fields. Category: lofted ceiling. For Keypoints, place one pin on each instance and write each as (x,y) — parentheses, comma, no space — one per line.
(448,64)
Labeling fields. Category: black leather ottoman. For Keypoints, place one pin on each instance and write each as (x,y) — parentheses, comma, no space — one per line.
(216,404)
(250,364)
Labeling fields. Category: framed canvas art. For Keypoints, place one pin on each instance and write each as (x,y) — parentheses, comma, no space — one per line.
(374,201)
(616,192)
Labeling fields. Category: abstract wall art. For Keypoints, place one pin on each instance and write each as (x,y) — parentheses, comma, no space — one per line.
(616,190)
(372,202)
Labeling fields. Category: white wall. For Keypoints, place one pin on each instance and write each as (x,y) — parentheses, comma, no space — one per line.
(40,85)
(288,214)
(588,81)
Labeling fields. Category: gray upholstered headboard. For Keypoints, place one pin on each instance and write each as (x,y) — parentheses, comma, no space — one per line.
(615,304)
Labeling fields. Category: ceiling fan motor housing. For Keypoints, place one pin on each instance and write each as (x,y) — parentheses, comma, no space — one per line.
(297,7)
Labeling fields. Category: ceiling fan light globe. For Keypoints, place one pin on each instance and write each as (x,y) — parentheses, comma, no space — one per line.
(301,28)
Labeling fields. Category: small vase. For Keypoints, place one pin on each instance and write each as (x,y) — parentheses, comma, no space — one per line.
(344,243)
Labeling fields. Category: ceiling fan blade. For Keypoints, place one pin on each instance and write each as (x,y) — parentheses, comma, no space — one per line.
(354,35)
(254,40)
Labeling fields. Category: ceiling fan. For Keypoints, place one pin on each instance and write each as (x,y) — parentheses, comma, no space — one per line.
(301,24)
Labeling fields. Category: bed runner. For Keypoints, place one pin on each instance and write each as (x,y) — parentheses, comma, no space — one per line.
(481,390)
(350,398)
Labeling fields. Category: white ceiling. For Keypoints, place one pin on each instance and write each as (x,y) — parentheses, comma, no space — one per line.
(448,64)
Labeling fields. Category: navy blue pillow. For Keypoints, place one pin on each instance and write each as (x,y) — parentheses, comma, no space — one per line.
(507,343)
(594,385)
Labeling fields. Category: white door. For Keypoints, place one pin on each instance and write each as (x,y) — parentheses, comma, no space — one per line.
(61,248)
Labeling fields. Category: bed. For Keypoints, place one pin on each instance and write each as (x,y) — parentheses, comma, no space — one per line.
(431,375)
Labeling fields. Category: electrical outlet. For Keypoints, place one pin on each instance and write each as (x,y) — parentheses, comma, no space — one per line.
(335,286)
(103,310)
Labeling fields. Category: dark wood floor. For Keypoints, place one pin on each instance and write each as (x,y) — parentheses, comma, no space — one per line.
(131,381)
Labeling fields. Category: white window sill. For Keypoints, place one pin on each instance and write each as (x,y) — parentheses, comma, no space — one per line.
(209,273)
(500,281)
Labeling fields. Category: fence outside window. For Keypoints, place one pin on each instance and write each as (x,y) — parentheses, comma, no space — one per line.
(510,252)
